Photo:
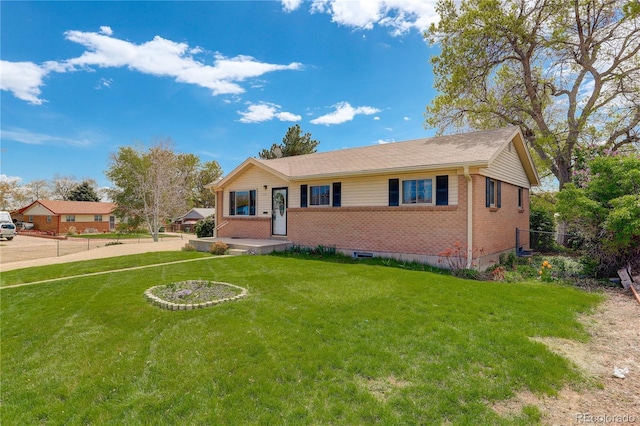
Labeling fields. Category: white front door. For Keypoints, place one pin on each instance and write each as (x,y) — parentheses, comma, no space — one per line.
(279,204)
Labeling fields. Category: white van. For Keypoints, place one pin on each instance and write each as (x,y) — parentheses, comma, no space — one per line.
(7,230)
(5,217)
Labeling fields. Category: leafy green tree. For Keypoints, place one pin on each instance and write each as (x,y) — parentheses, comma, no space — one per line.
(566,72)
(293,143)
(151,185)
(83,192)
(205,227)
(606,211)
(542,226)
(198,175)
(205,174)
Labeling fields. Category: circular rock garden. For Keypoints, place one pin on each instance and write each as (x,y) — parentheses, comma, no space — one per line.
(193,294)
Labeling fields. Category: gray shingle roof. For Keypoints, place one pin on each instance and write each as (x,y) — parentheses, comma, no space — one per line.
(476,148)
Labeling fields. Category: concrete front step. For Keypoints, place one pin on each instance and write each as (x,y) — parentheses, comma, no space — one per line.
(238,252)
(252,246)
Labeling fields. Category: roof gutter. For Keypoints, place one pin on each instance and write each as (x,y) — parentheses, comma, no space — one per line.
(467,176)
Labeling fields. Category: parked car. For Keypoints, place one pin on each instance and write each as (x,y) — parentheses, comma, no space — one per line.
(7,230)
(24,225)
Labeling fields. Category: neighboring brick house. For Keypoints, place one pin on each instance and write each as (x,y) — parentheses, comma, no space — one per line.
(408,200)
(62,217)
(187,223)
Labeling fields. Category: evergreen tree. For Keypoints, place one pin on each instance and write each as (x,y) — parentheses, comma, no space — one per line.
(83,192)
(293,143)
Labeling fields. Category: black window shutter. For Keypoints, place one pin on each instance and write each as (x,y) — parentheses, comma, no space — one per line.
(337,194)
(488,203)
(252,202)
(232,203)
(394,192)
(442,190)
(303,195)
(498,195)
(520,196)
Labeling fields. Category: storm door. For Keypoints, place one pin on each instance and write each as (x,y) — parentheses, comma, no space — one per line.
(279,211)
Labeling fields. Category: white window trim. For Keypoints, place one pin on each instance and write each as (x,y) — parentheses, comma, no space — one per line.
(433,198)
(310,195)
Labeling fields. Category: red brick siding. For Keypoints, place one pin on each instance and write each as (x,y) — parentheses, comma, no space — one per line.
(246,227)
(80,227)
(418,230)
(40,224)
(494,229)
(219,218)
(411,230)
(60,228)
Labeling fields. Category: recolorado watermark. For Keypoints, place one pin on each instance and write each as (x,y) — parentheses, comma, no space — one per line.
(588,418)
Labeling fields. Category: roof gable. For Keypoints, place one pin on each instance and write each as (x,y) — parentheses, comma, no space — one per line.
(73,207)
(199,213)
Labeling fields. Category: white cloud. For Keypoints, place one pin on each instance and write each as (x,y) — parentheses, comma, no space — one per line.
(164,57)
(23,79)
(159,57)
(383,141)
(400,16)
(104,82)
(257,113)
(406,118)
(376,118)
(288,116)
(291,5)
(344,112)
(32,138)
(106,30)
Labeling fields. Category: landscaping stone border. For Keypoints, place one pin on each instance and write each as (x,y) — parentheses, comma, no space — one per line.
(170,306)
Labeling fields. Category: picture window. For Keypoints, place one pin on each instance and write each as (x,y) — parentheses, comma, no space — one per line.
(418,191)
(320,195)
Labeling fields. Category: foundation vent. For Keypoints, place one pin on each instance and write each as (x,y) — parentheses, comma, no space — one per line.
(362,254)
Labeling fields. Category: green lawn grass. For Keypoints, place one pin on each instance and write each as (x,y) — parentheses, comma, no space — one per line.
(69,269)
(313,343)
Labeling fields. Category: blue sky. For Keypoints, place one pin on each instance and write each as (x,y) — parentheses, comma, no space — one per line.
(222,79)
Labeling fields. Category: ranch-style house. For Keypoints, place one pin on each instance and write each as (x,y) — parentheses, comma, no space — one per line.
(408,200)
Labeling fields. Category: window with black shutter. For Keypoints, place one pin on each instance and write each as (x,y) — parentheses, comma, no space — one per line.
(394,192)
(442,190)
(252,202)
(337,194)
(303,195)
(232,203)
(493,193)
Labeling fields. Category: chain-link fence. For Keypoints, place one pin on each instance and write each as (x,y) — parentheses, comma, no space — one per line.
(28,248)
(542,241)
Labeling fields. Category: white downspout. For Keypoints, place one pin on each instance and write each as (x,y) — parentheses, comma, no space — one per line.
(467,176)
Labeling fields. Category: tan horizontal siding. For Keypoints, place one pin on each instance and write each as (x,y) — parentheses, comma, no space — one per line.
(507,168)
(255,179)
(84,218)
(372,190)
